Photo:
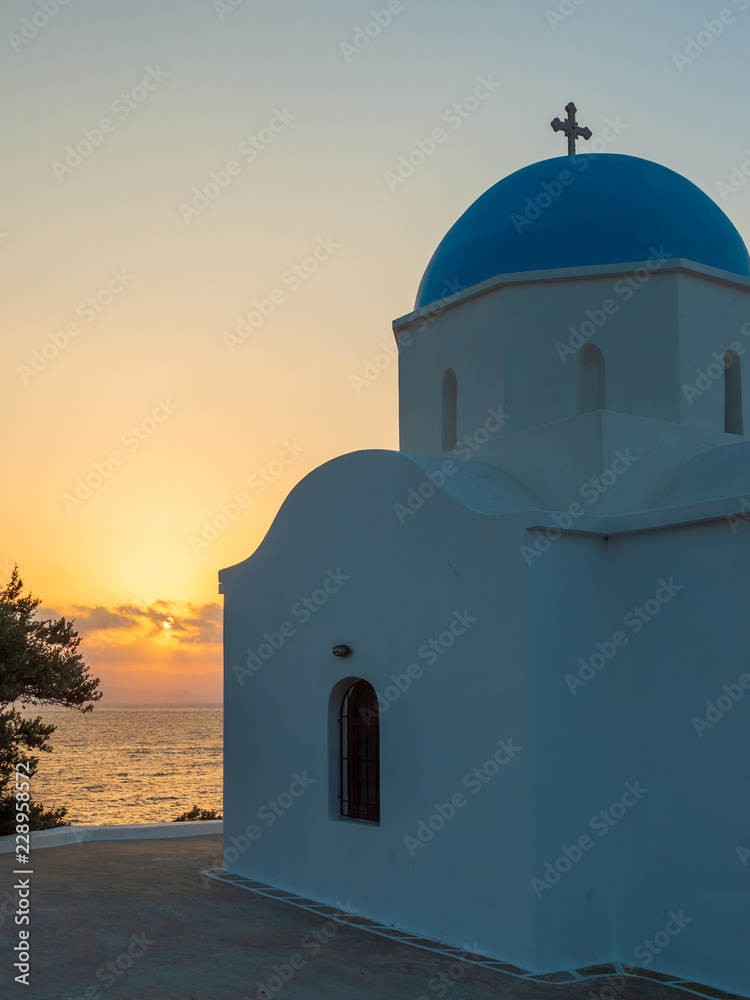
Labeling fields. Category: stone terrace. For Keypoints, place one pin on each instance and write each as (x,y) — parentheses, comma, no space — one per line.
(207,939)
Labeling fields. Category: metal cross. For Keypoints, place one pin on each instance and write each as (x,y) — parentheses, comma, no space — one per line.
(571,128)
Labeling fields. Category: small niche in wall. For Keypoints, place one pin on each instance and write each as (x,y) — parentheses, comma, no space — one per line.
(732,394)
(592,383)
(450,410)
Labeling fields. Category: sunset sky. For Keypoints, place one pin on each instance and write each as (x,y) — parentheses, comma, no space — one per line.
(125,280)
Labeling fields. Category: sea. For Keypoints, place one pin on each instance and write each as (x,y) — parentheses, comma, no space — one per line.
(131,763)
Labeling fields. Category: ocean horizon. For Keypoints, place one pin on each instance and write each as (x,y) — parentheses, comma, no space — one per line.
(131,763)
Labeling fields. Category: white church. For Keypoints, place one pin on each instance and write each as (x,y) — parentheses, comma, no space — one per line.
(493,689)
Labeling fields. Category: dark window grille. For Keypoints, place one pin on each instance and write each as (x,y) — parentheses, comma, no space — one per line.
(359,727)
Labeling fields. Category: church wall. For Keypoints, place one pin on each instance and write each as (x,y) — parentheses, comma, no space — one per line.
(713,317)
(467,884)
(564,765)
(572,461)
(470,341)
(677,851)
(572,884)
(633,641)
(535,330)
(549,323)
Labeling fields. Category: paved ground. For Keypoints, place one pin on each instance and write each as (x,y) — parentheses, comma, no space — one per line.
(134,920)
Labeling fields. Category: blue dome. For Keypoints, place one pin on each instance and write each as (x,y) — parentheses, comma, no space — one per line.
(607,209)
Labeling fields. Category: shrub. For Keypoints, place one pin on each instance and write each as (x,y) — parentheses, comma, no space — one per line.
(197,814)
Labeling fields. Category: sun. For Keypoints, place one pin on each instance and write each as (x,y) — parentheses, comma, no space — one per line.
(168,623)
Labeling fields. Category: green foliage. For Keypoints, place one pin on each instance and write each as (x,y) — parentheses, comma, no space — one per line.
(197,814)
(39,817)
(40,665)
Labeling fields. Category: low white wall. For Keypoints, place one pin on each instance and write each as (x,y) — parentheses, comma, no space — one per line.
(135,831)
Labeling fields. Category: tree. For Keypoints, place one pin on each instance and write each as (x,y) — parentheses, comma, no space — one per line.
(40,665)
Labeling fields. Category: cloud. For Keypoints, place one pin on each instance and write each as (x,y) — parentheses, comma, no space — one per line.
(178,624)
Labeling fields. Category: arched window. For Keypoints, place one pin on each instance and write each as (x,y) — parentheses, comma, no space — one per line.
(359,727)
(592,384)
(732,394)
(450,402)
